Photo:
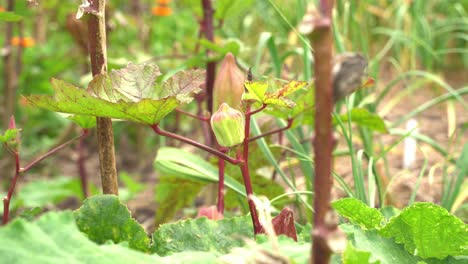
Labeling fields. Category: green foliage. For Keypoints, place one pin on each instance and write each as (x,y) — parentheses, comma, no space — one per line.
(423,231)
(83,121)
(128,94)
(202,234)
(185,165)
(364,118)
(260,92)
(170,201)
(9,135)
(104,218)
(358,212)
(429,231)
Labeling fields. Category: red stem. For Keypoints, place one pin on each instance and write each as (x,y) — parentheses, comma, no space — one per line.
(246,174)
(213,151)
(201,118)
(322,43)
(207,28)
(52,151)
(288,126)
(221,168)
(7,199)
(258,110)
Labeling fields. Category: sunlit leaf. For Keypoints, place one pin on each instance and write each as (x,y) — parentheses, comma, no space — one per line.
(127,94)
(272,93)
(10,134)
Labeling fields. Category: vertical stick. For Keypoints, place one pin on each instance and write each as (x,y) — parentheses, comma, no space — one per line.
(207,28)
(105,136)
(9,71)
(322,43)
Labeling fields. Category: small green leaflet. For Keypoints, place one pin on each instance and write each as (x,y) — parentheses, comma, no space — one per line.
(258,91)
(10,134)
(129,94)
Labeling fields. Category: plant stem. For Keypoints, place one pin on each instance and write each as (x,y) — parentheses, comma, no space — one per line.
(246,174)
(213,151)
(82,168)
(201,118)
(288,126)
(221,168)
(105,135)
(322,43)
(52,151)
(9,70)
(207,28)
(7,199)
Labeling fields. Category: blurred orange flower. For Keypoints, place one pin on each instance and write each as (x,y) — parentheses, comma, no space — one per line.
(15,41)
(28,42)
(2,9)
(163,2)
(161,11)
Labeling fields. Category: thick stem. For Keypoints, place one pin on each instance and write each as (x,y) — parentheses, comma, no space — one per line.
(322,43)
(213,151)
(7,199)
(246,174)
(9,71)
(207,29)
(105,135)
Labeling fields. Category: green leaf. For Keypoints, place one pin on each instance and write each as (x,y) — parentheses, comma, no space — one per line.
(258,91)
(10,17)
(124,94)
(351,255)
(231,8)
(429,231)
(185,165)
(358,212)
(202,234)
(9,135)
(130,84)
(103,218)
(381,248)
(363,117)
(169,202)
(83,121)
(55,238)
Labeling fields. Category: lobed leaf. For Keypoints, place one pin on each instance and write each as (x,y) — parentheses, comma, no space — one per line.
(258,91)
(202,234)
(104,218)
(429,231)
(358,212)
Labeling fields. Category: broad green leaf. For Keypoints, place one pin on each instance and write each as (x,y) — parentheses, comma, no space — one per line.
(169,202)
(202,234)
(83,121)
(365,118)
(9,135)
(272,93)
(351,255)
(358,212)
(128,94)
(55,238)
(10,17)
(381,249)
(104,218)
(429,231)
(231,8)
(288,251)
(185,165)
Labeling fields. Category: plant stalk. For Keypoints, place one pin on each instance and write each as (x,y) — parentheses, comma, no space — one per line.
(105,135)
(322,42)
